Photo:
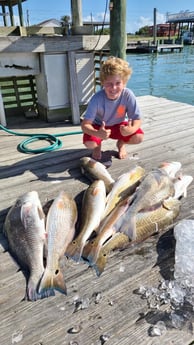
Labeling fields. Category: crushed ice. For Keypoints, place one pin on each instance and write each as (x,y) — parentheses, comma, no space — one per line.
(177,294)
(17,337)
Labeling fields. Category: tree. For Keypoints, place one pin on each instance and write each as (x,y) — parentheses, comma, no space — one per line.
(144,31)
(65,20)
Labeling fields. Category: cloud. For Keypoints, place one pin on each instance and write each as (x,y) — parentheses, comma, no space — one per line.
(145,21)
(97,17)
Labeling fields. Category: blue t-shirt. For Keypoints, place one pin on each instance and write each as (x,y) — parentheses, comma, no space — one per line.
(112,112)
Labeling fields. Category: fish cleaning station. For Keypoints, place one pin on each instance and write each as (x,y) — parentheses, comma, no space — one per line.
(135,290)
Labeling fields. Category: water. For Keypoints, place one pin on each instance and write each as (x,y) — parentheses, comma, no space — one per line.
(168,75)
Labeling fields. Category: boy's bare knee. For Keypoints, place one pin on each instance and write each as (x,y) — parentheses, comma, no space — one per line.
(90,144)
(136,139)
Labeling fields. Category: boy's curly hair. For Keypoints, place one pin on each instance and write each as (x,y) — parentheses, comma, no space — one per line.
(115,66)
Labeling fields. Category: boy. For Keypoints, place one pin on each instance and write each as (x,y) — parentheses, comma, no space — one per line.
(112,112)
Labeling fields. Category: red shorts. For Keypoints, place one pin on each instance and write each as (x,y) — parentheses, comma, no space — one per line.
(115,134)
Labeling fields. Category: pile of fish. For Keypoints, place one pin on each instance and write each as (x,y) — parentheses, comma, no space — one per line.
(113,214)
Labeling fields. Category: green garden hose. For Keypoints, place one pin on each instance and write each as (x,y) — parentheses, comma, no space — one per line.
(54,142)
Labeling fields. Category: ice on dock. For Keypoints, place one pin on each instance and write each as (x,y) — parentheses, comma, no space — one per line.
(184,252)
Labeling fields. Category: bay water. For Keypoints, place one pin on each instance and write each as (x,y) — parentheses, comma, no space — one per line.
(168,74)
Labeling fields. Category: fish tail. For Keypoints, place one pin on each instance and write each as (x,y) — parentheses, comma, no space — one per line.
(74,251)
(32,293)
(93,254)
(52,281)
(129,227)
(99,269)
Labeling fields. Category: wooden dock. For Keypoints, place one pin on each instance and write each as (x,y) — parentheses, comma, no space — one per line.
(151,48)
(110,313)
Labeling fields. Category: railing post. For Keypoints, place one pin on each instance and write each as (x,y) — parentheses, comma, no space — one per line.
(2,111)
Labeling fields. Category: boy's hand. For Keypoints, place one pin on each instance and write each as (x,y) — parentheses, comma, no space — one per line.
(127,129)
(104,133)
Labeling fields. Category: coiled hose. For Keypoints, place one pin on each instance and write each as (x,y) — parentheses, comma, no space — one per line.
(54,142)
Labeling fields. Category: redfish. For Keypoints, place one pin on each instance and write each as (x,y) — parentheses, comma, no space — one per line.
(105,231)
(93,205)
(155,187)
(124,185)
(95,170)
(148,222)
(25,230)
(60,228)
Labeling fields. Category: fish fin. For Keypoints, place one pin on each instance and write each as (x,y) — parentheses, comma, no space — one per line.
(99,268)
(185,193)
(129,228)
(32,293)
(52,281)
(94,246)
(93,254)
(86,250)
(41,213)
(100,263)
(25,209)
(74,251)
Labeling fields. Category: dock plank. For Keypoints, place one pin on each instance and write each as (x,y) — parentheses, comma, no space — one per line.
(169,131)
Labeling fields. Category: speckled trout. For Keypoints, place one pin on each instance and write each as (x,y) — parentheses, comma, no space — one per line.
(93,205)
(25,230)
(60,228)
(124,185)
(95,170)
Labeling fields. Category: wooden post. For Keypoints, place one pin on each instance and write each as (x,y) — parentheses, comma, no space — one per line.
(118,28)
(2,112)
(4,15)
(20,12)
(76,12)
(73,88)
(155,27)
(11,13)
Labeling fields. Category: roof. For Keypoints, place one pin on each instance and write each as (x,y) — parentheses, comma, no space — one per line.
(183,16)
(50,22)
(6,2)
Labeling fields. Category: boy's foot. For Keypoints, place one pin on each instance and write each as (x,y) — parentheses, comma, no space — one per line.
(96,154)
(122,153)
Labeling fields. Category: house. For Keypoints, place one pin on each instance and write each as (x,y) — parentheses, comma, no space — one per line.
(164,30)
(51,22)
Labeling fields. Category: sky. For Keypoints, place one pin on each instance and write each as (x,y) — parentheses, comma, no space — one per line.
(139,12)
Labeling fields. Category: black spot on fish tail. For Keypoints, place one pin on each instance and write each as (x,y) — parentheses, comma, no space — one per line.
(52,281)
(74,251)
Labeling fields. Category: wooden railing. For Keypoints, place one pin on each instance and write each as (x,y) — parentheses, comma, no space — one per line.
(45,30)
(32,30)
(19,92)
